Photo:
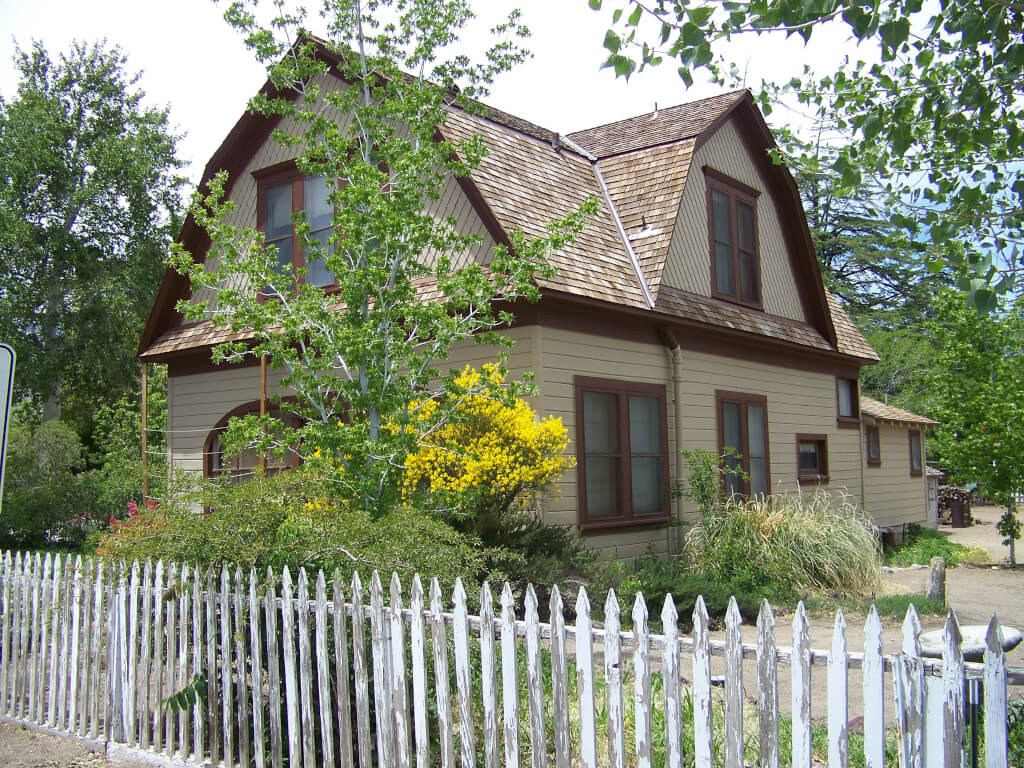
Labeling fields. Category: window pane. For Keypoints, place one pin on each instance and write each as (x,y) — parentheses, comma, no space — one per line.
(278,214)
(720,215)
(724,279)
(755,431)
(602,487)
(731,427)
(600,423)
(647,485)
(745,224)
(748,286)
(733,481)
(809,460)
(915,452)
(644,424)
(316,267)
(284,254)
(318,209)
(874,449)
(758,477)
(846,398)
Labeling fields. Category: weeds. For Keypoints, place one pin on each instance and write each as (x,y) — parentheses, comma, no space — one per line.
(921,544)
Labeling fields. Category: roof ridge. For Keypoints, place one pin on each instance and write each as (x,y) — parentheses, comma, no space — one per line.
(733,92)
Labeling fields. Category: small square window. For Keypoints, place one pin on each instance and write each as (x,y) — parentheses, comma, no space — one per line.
(812,458)
(847,403)
(874,447)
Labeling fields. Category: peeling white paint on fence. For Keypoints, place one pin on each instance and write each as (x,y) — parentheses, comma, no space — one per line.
(92,649)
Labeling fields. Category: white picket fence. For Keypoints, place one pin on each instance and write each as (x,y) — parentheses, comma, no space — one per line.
(296,673)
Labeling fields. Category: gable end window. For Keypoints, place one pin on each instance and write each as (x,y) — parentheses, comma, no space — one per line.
(847,404)
(281,192)
(732,234)
(743,440)
(622,447)
(916,462)
(874,447)
(812,458)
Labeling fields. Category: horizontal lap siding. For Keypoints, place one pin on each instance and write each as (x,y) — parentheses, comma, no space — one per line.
(688,265)
(891,496)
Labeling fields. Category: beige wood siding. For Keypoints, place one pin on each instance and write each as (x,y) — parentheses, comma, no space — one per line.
(891,496)
(688,265)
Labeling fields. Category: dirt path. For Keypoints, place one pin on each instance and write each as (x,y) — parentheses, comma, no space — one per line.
(21,748)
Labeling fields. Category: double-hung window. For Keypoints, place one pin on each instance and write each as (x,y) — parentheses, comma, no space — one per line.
(743,440)
(732,230)
(916,461)
(622,439)
(874,446)
(281,192)
(847,403)
(812,458)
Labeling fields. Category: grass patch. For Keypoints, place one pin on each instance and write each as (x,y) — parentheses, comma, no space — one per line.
(888,606)
(921,544)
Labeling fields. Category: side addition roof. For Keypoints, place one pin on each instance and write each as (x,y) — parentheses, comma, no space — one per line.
(889,413)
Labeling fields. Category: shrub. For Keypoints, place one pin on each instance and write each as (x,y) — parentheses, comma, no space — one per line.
(921,544)
(819,541)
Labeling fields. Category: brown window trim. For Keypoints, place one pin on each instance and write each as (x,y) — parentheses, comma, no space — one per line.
(744,398)
(737,191)
(622,389)
(920,450)
(821,476)
(849,422)
(868,431)
(272,176)
(245,409)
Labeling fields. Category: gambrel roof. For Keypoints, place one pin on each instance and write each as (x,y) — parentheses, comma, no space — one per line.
(638,169)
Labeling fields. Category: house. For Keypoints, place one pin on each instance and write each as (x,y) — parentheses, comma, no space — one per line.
(690,314)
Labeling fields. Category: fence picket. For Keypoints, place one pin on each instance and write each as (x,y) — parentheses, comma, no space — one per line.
(112,715)
(559,680)
(184,609)
(417,643)
(66,620)
(98,637)
(53,659)
(702,738)
(17,625)
(341,666)
(767,688)
(874,690)
(953,694)
(305,672)
(488,685)
(291,685)
(509,678)
(613,682)
(442,685)
(171,654)
(157,673)
(37,575)
(212,669)
(995,697)
(90,641)
(273,673)
(379,640)
(801,669)
(585,680)
(399,690)
(6,652)
(145,646)
(133,650)
(733,686)
(24,671)
(241,665)
(534,681)
(908,691)
(463,683)
(642,682)
(671,676)
(361,676)
(256,651)
(323,675)
(123,701)
(838,701)
(197,660)
(227,691)
(42,645)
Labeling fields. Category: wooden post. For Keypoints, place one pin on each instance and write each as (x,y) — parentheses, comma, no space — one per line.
(937,582)
(145,425)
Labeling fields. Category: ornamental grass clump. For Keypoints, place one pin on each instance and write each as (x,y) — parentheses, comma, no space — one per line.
(805,541)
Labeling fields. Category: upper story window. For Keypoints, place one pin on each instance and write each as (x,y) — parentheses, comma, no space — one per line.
(743,440)
(622,434)
(282,191)
(732,231)
(916,462)
(847,403)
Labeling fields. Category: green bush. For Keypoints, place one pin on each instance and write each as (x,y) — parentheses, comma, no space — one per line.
(817,541)
(921,544)
(1015,725)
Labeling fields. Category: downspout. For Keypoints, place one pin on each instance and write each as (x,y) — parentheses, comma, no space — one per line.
(668,338)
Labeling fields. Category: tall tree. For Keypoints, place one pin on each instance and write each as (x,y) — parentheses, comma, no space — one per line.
(361,357)
(934,107)
(89,196)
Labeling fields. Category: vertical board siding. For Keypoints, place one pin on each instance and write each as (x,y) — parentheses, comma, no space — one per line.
(112,652)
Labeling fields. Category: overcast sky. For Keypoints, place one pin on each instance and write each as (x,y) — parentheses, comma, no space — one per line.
(194,63)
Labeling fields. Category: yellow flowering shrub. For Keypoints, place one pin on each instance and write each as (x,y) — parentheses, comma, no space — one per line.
(491,455)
